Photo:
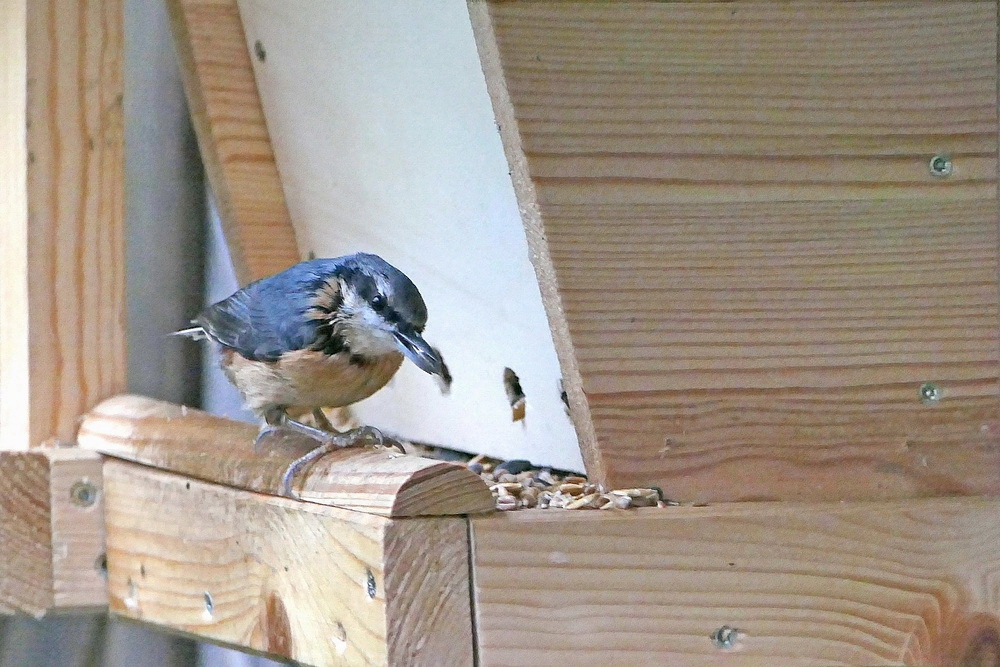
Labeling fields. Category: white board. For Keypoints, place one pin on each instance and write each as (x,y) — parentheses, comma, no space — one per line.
(386,142)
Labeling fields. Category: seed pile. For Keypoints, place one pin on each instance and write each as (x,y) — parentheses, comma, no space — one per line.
(517,485)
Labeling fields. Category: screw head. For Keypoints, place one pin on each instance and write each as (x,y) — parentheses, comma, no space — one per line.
(83,493)
(725,637)
(930,393)
(940,166)
(371,585)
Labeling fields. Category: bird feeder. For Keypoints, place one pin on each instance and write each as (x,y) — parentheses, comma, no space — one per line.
(754,244)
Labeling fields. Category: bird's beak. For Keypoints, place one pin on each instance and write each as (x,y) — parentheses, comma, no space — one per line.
(419,352)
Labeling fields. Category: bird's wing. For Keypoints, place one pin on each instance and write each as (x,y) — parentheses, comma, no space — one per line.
(262,321)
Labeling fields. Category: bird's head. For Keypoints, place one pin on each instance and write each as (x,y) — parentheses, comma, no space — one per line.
(376,310)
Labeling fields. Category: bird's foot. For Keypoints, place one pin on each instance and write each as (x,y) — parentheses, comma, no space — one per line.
(359,437)
(266,431)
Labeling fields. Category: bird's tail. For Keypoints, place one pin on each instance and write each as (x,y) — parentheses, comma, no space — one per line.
(194,333)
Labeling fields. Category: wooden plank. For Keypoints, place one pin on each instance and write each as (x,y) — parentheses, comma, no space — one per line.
(315,584)
(749,269)
(860,583)
(62,282)
(194,443)
(396,152)
(51,531)
(232,136)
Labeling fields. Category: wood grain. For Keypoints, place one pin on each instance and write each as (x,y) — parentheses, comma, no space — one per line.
(286,578)
(62,283)
(746,261)
(52,546)
(195,443)
(232,135)
(892,583)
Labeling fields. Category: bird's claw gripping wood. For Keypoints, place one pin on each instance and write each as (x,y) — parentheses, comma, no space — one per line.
(359,437)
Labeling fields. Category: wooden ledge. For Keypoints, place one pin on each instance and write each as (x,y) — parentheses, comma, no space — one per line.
(214,449)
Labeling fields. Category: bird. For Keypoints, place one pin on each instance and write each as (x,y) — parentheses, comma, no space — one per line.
(324,333)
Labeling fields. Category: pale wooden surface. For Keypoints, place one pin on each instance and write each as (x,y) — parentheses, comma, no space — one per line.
(743,252)
(384,136)
(192,442)
(286,578)
(62,343)
(51,546)
(232,136)
(904,582)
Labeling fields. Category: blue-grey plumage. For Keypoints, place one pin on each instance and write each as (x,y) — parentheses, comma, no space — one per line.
(323,333)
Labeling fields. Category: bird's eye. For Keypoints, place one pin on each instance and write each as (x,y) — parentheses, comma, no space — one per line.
(378,302)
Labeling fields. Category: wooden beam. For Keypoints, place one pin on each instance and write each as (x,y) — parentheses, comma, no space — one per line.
(315,584)
(51,531)
(191,442)
(62,268)
(859,583)
(752,275)
(232,136)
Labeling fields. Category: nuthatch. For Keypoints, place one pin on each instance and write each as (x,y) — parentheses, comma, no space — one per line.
(324,333)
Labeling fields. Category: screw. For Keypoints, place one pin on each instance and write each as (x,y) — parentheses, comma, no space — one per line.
(930,393)
(258,50)
(83,493)
(725,637)
(371,585)
(940,166)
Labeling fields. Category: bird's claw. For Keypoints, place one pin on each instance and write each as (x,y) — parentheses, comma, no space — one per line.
(360,437)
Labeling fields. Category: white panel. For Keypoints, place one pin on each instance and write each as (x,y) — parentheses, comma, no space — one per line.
(386,142)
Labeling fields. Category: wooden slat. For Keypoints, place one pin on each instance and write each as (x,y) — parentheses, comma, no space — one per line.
(232,136)
(316,584)
(51,531)
(749,269)
(191,442)
(893,583)
(62,269)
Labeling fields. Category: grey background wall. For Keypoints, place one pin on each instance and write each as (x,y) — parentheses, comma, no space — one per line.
(169,231)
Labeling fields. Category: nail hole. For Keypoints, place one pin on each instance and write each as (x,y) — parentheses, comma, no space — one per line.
(209,605)
(132,596)
(340,638)
(83,494)
(370,582)
(515,394)
(258,50)
(101,565)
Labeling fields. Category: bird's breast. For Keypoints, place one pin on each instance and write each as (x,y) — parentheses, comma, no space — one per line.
(309,378)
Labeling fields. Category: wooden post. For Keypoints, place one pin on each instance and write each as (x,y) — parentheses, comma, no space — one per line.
(62,269)
(51,531)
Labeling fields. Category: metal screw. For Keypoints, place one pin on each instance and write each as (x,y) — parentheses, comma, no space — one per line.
(83,493)
(940,166)
(930,393)
(725,637)
(209,604)
(371,585)
(258,50)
